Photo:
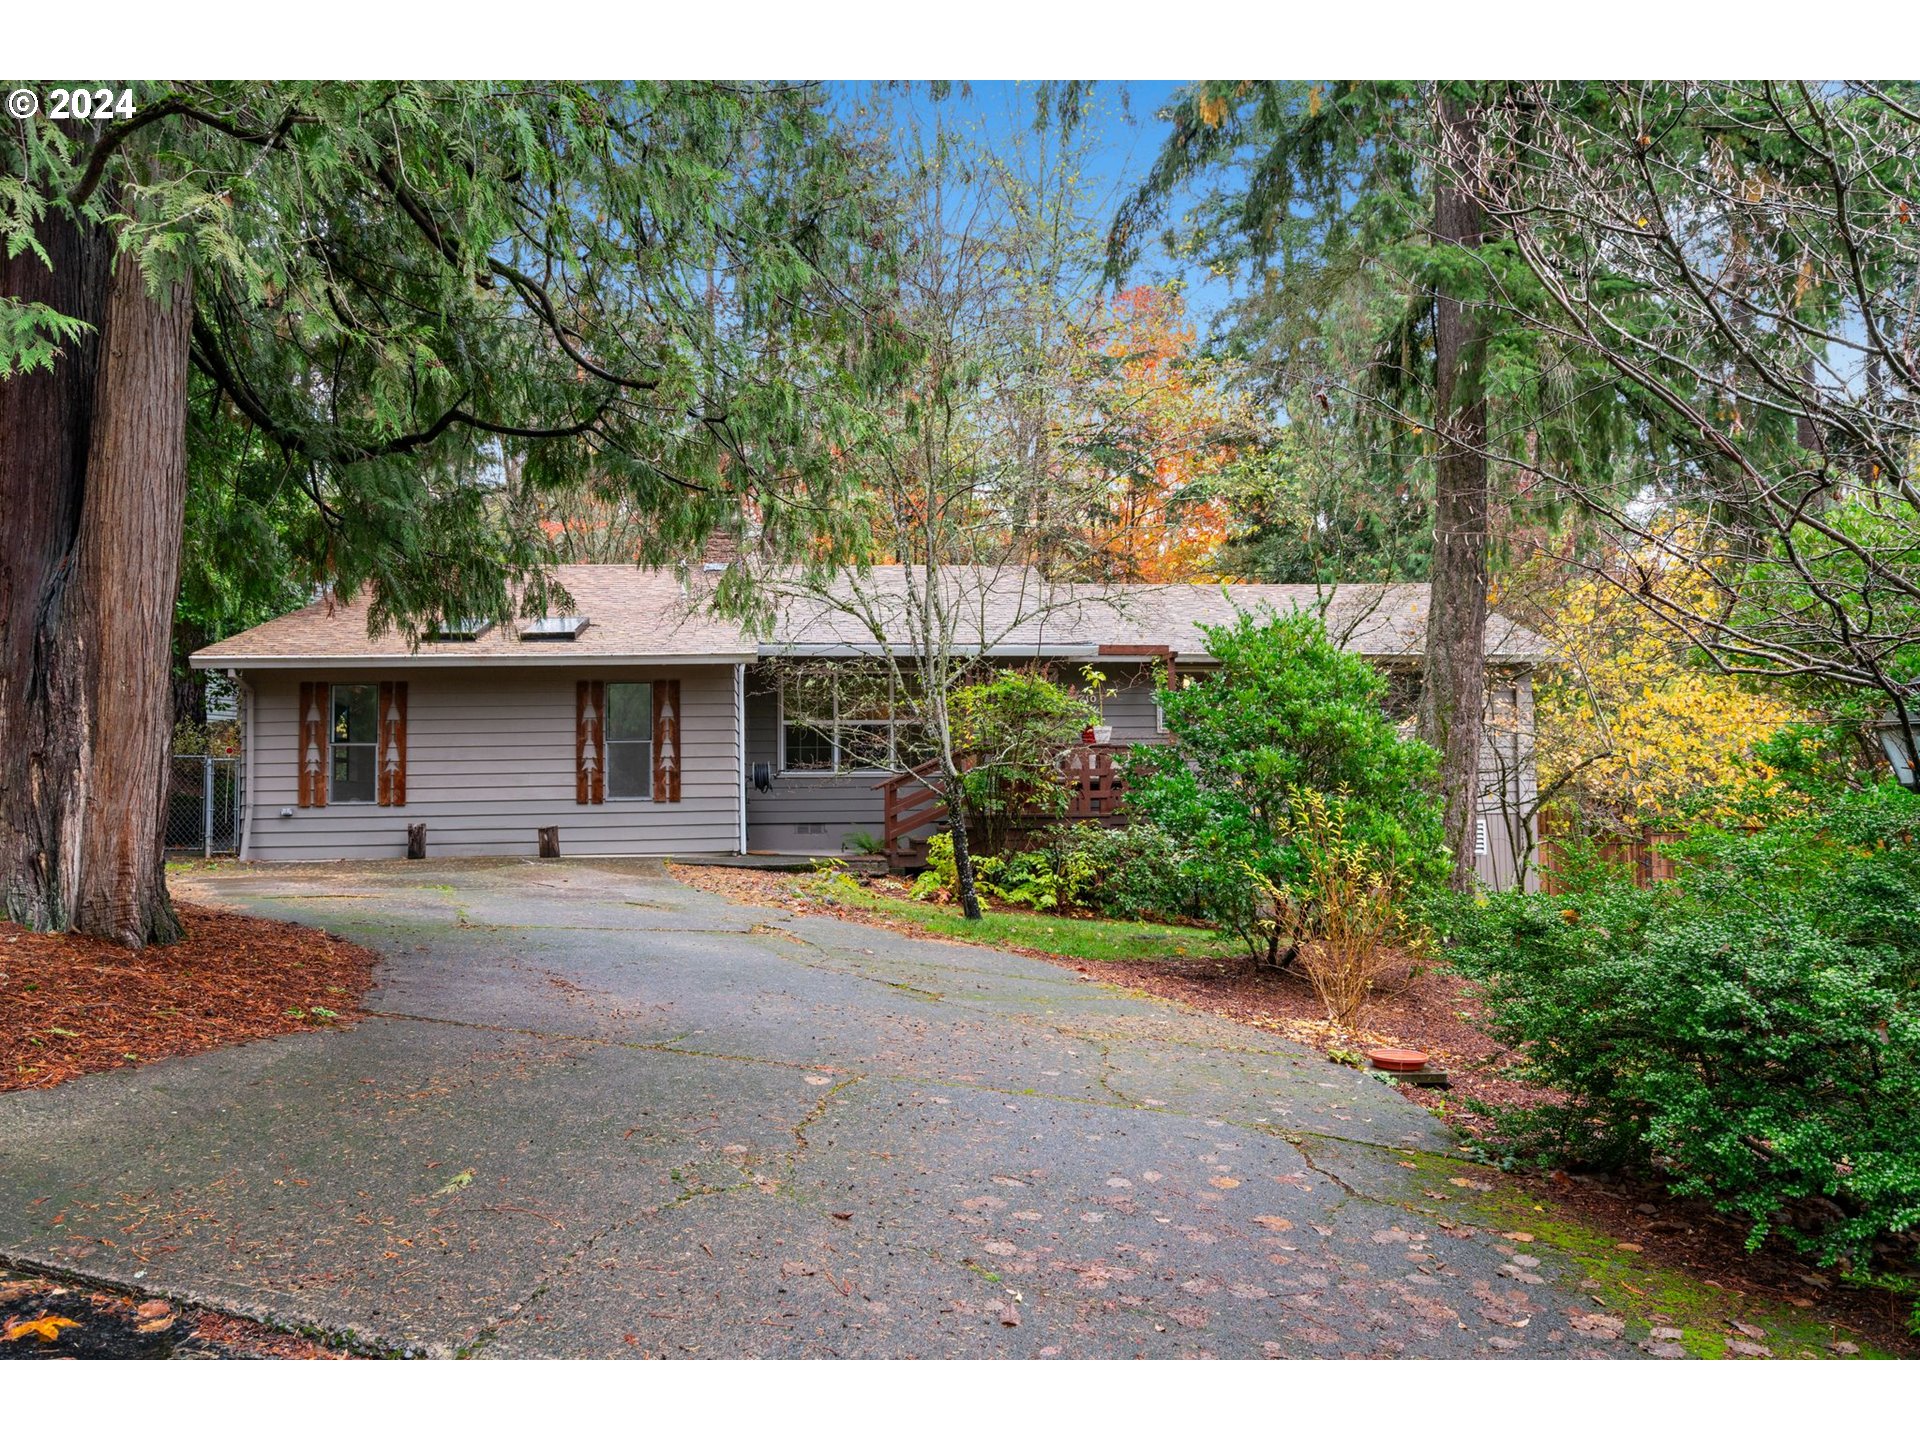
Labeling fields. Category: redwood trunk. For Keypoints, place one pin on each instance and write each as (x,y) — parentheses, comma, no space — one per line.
(1454,692)
(93,482)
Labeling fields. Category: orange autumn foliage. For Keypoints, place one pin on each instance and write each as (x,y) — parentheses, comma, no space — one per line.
(1159,420)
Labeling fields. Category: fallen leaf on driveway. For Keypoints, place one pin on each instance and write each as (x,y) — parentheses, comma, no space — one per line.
(1273,1222)
(819,1080)
(459,1182)
(47,1327)
(1467,1182)
(1748,1350)
(1224,1182)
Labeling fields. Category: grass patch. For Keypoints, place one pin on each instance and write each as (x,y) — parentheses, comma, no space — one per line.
(1641,1290)
(1059,935)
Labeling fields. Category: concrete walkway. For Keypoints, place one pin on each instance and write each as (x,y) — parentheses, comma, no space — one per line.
(600,1113)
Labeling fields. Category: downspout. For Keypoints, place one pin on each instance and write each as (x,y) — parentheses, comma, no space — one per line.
(740,744)
(246,765)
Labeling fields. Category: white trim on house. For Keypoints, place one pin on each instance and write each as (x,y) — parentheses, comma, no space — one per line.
(893,722)
(740,745)
(249,703)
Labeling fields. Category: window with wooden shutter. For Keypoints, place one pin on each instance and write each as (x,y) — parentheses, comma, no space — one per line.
(315,699)
(666,742)
(589,742)
(393,743)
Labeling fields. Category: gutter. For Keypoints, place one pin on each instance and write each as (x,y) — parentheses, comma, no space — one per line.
(487,660)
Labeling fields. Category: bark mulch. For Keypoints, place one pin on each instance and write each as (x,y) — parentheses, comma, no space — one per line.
(71,1005)
(1431,1009)
(46,1319)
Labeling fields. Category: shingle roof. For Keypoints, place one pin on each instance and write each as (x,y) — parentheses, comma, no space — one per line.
(644,615)
(633,614)
(1014,612)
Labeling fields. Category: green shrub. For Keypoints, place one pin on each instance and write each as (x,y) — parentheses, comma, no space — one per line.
(1287,712)
(1133,872)
(1749,1028)
(1015,728)
(1027,878)
(1130,873)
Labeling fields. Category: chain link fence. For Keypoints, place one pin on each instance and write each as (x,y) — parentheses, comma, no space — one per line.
(203,805)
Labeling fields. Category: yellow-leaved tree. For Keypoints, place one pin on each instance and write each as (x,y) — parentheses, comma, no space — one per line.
(1632,727)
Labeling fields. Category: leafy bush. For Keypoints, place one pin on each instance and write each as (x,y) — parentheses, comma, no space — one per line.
(1750,1028)
(1026,878)
(1342,910)
(1288,711)
(1015,728)
(1130,873)
(1134,872)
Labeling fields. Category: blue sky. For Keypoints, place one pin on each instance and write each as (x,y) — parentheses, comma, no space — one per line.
(1128,136)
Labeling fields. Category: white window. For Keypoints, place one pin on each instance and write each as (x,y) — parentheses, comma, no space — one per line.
(845,721)
(629,741)
(354,736)
(1480,835)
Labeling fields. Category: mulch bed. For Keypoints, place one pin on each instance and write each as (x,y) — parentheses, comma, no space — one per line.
(1431,1009)
(71,1005)
(45,1319)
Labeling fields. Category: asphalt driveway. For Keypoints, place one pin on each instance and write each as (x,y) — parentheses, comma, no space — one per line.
(598,1112)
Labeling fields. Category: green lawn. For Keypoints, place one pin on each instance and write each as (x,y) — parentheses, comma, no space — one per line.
(1056,935)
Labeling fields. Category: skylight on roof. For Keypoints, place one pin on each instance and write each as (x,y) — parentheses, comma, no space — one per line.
(459,629)
(553,627)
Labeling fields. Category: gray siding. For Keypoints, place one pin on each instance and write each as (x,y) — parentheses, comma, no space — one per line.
(489,761)
(840,803)
(1508,787)
(843,804)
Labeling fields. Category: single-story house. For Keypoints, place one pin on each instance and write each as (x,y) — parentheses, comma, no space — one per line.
(641,724)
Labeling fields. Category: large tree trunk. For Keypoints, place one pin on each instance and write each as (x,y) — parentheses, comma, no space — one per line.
(93,481)
(1454,692)
(46,418)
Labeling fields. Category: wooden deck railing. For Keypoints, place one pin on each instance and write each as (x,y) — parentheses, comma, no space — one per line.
(913,806)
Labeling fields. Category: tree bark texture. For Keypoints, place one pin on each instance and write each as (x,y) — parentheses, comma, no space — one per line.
(93,485)
(1453,696)
(963,877)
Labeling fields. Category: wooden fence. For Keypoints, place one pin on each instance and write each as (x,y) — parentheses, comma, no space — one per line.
(1640,851)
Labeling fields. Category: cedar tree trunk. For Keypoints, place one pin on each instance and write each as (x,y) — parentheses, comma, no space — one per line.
(1454,693)
(93,485)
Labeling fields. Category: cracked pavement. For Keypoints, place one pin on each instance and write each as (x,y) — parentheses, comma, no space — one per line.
(595,1112)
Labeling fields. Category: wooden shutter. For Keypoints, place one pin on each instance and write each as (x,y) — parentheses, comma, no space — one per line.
(666,742)
(390,786)
(310,764)
(589,742)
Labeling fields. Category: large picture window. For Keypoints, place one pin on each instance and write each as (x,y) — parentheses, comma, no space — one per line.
(353,740)
(846,720)
(629,741)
